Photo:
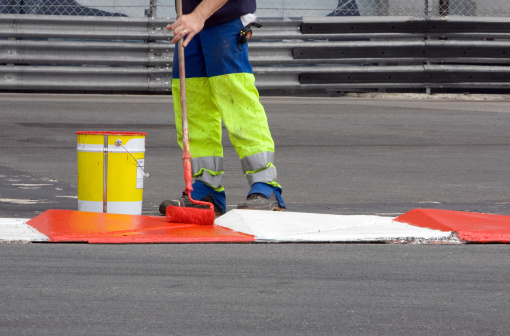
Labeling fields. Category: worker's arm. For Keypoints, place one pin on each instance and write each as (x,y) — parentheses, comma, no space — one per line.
(191,24)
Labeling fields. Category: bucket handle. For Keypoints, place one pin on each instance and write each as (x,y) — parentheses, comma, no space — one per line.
(118,143)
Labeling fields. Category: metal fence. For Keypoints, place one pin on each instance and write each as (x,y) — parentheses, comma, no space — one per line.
(118,54)
(267,8)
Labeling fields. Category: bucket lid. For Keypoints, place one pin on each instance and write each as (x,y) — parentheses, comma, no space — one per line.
(110,133)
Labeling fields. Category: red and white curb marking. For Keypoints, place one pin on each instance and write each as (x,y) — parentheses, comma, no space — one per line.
(287,227)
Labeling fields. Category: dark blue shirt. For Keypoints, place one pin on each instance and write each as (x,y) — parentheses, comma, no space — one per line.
(231,10)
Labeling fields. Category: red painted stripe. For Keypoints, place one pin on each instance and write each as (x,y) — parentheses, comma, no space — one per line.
(470,226)
(91,227)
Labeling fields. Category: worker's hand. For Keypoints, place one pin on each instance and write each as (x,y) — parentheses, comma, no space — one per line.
(186,26)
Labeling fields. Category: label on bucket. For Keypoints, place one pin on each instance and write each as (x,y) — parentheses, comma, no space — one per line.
(139,174)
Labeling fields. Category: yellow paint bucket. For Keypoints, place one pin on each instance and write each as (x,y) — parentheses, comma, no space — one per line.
(111,172)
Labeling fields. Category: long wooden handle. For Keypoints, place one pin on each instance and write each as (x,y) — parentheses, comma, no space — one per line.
(184,109)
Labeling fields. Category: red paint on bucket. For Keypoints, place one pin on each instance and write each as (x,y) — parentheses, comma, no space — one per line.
(470,226)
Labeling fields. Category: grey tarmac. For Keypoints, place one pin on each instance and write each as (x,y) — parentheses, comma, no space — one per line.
(380,155)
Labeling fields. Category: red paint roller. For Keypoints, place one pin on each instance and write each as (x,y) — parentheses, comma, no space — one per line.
(182,214)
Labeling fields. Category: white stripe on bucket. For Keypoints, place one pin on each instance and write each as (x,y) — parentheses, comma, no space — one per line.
(124,208)
(133,145)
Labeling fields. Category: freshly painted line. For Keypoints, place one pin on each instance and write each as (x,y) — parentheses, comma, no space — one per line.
(470,226)
(308,227)
(16,230)
(107,228)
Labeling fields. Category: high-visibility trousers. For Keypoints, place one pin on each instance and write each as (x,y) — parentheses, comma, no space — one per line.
(220,86)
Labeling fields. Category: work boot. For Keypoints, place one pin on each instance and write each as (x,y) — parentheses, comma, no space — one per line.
(184,201)
(258,201)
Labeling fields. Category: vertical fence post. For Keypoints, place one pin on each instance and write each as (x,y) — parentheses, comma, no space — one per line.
(152,11)
(444,7)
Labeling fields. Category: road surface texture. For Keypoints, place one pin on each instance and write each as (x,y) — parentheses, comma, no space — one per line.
(345,156)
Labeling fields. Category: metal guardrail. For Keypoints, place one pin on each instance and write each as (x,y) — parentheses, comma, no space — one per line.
(83,27)
(88,79)
(95,54)
(53,52)
(410,25)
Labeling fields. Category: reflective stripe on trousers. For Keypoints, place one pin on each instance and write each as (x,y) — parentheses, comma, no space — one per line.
(208,170)
(259,168)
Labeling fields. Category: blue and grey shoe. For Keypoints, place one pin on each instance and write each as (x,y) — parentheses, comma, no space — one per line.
(263,197)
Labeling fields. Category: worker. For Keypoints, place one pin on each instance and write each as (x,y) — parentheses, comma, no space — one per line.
(220,86)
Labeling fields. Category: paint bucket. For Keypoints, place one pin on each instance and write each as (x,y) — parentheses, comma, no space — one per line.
(111,172)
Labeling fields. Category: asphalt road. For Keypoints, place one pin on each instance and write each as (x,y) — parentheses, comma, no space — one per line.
(275,289)
(334,155)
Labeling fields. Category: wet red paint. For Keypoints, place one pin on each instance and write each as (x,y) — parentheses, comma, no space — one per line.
(91,227)
(470,226)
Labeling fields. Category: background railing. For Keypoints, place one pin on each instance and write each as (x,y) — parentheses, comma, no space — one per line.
(120,54)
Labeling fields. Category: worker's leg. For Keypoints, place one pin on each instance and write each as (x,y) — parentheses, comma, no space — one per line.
(233,87)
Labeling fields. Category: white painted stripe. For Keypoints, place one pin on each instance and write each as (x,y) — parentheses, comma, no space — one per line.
(125,208)
(16,230)
(20,201)
(307,227)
